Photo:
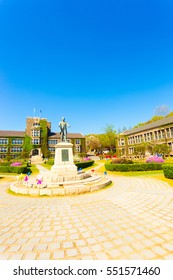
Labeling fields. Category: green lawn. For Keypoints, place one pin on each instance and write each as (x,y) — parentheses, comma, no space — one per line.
(34,169)
(48,166)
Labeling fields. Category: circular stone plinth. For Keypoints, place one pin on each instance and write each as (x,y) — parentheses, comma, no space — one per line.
(90,184)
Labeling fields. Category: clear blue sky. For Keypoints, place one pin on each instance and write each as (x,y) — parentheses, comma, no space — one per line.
(95,62)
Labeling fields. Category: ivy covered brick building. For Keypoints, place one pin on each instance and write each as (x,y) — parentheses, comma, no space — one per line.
(147,136)
(38,140)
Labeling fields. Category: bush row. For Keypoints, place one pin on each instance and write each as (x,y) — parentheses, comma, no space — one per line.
(121,161)
(14,169)
(5,164)
(133,167)
(168,170)
(84,164)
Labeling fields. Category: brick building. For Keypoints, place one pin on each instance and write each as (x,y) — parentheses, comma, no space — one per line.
(157,132)
(38,130)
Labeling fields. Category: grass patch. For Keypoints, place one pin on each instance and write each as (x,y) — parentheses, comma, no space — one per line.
(34,169)
(46,165)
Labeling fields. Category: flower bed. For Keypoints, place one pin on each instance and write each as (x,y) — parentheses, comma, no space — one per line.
(16,164)
(154,159)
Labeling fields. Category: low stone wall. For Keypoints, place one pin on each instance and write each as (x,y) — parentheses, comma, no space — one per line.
(63,190)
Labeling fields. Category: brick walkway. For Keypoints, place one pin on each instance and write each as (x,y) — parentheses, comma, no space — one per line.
(131,220)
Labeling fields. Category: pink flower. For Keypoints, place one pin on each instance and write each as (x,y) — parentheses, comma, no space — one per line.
(16,164)
(154,159)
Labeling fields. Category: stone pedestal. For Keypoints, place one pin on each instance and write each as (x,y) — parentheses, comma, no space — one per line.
(63,163)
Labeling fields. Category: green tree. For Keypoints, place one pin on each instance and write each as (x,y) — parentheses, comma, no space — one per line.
(161,149)
(44,139)
(92,142)
(170,114)
(108,139)
(162,110)
(140,150)
(27,147)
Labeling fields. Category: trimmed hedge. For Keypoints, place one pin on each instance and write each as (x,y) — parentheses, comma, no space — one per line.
(14,169)
(5,164)
(84,164)
(50,161)
(168,170)
(133,167)
(121,161)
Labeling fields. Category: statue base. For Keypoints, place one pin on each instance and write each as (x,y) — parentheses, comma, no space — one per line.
(64,164)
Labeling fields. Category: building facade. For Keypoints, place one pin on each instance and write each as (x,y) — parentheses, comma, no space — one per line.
(158,132)
(41,140)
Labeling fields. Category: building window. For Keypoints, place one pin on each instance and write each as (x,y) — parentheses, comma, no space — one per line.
(52,141)
(159,135)
(36,141)
(3,149)
(171,131)
(3,141)
(122,142)
(16,149)
(155,135)
(52,149)
(170,146)
(17,141)
(129,140)
(131,150)
(35,133)
(77,141)
(168,133)
(78,149)
(2,156)
(163,133)
(36,124)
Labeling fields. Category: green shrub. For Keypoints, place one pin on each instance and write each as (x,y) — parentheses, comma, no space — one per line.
(121,161)
(5,164)
(84,164)
(168,170)
(50,161)
(133,167)
(14,169)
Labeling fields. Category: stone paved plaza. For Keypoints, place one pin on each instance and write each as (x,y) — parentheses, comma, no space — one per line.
(133,219)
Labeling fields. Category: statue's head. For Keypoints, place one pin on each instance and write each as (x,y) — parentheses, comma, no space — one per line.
(63,119)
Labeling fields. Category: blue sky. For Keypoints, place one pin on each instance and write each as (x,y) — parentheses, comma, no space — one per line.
(95,62)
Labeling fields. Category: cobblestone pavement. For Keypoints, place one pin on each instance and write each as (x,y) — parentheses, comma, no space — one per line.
(133,219)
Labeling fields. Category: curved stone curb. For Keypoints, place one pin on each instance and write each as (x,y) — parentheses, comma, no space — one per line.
(62,190)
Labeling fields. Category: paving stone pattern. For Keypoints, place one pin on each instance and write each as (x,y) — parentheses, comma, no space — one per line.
(133,219)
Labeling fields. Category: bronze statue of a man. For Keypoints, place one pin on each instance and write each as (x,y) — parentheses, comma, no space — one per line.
(63,129)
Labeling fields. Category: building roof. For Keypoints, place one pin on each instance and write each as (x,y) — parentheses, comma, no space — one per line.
(162,122)
(55,135)
(11,133)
